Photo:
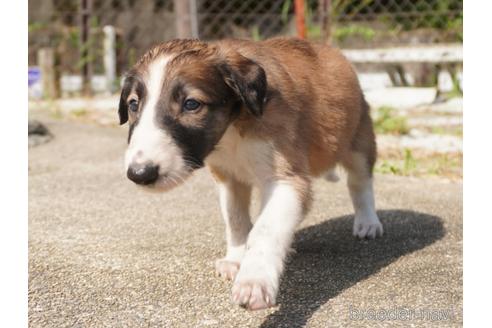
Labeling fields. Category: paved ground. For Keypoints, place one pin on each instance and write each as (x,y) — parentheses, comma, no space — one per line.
(104,254)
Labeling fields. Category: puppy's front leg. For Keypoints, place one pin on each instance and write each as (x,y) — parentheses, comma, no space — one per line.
(234,203)
(257,282)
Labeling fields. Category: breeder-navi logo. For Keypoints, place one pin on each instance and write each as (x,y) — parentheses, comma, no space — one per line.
(401,314)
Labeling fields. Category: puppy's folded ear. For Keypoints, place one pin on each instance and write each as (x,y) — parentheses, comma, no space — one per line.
(123,111)
(123,106)
(247,79)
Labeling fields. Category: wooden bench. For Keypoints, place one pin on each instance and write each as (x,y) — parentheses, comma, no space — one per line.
(439,53)
(444,56)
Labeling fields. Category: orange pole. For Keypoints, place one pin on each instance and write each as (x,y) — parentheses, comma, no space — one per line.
(300,22)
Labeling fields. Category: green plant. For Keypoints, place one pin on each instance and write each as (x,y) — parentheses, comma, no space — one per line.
(443,15)
(255,33)
(342,33)
(405,166)
(89,53)
(387,122)
(348,9)
(79,112)
(284,15)
(417,163)
(54,109)
(409,162)
(438,130)
(339,7)
(36,26)
(388,167)
(73,37)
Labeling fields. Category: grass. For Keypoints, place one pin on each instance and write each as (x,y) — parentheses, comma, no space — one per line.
(79,112)
(413,163)
(388,122)
(406,165)
(345,32)
(57,113)
(452,130)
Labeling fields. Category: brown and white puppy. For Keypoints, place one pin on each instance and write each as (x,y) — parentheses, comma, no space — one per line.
(271,115)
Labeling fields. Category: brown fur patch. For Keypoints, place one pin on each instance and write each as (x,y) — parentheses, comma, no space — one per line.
(315,111)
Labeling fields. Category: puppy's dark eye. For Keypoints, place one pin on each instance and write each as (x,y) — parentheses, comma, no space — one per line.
(133,105)
(191,105)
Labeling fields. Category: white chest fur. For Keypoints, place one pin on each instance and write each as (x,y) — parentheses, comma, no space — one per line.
(249,160)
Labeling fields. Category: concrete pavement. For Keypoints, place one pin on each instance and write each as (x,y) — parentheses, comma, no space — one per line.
(102,253)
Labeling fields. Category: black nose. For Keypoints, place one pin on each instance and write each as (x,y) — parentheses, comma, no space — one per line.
(143,174)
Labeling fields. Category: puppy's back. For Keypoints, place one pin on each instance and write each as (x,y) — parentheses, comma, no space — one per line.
(315,101)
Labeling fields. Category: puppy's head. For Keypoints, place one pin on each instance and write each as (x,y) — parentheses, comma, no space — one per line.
(179,104)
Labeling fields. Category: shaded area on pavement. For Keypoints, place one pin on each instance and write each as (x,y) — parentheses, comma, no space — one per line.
(325,254)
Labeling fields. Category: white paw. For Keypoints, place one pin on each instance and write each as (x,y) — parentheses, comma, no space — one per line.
(226,269)
(367,227)
(253,294)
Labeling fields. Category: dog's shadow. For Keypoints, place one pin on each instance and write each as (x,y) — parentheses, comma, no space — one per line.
(329,260)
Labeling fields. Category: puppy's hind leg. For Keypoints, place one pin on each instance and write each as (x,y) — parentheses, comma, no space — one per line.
(359,180)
